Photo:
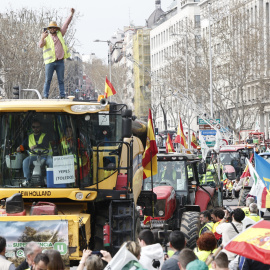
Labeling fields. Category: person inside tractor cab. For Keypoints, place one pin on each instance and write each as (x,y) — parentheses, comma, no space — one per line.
(170,173)
(211,174)
(69,147)
(37,143)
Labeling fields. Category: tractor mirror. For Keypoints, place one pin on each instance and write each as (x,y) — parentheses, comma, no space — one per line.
(202,168)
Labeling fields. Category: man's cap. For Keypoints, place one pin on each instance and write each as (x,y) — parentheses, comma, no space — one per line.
(53,24)
(197,265)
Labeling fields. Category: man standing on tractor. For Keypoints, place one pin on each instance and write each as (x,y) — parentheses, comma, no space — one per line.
(35,142)
(207,224)
(54,53)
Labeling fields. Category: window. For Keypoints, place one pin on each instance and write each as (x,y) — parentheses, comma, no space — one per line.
(197,20)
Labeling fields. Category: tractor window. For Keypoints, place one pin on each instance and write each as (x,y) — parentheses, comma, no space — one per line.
(171,173)
(43,150)
(226,158)
(104,133)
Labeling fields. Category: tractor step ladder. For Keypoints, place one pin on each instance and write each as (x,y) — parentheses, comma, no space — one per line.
(122,222)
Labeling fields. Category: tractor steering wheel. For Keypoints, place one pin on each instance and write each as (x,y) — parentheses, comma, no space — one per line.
(39,152)
(166,182)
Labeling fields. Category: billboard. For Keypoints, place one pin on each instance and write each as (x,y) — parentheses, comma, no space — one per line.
(49,234)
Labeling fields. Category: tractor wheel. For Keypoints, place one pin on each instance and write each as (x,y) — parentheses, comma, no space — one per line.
(243,196)
(190,226)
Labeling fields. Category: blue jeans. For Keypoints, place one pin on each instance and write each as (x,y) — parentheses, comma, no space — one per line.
(27,162)
(59,67)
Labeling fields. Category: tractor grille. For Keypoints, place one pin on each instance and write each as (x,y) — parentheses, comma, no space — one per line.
(160,208)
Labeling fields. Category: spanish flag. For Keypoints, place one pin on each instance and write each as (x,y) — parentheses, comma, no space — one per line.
(253,243)
(109,89)
(180,138)
(194,143)
(169,145)
(150,154)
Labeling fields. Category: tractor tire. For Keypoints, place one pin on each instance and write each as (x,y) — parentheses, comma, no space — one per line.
(243,196)
(190,226)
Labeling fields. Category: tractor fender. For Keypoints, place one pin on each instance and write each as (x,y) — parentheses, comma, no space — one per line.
(202,198)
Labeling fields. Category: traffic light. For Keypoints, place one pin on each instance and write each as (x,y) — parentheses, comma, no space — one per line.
(16,92)
(156,131)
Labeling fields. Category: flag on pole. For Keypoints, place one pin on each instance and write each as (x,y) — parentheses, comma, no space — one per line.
(180,138)
(150,153)
(204,147)
(263,169)
(246,173)
(194,143)
(169,145)
(258,189)
(109,89)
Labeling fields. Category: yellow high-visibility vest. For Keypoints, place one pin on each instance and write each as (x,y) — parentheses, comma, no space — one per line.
(49,50)
(32,142)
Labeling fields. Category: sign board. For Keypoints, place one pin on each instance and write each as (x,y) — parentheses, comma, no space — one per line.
(209,137)
(203,122)
(209,132)
(203,127)
(49,234)
(63,169)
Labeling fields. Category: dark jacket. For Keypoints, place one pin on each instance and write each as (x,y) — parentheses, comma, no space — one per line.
(24,265)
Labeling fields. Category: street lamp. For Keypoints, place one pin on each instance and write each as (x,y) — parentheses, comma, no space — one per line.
(187,86)
(109,56)
(210,61)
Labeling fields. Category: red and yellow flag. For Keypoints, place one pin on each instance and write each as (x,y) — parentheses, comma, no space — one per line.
(109,89)
(180,138)
(150,153)
(169,145)
(253,243)
(194,143)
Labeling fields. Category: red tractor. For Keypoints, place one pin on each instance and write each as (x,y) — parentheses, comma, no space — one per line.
(180,197)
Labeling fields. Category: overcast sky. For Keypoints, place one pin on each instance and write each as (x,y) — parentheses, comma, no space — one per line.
(100,18)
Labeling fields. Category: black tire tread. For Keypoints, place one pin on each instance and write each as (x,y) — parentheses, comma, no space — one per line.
(190,226)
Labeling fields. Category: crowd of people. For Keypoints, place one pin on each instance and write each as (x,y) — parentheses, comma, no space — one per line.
(218,227)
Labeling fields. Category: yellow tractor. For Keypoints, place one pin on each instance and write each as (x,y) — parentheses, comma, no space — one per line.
(85,173)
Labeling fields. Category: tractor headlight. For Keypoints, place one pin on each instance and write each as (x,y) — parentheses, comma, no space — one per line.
(79,196)
(160,212)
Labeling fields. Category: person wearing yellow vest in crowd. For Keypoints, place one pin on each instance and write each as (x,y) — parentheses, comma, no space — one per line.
(206,223)
(249,201)
(206,245)
(253,216)
(228,185)
(37,142)
(54,53)
(253,209)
